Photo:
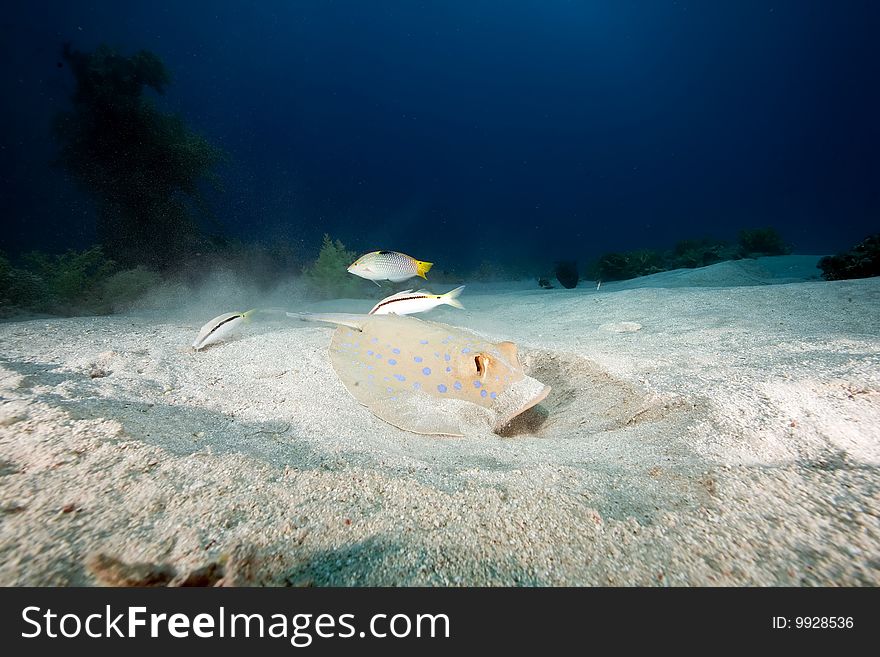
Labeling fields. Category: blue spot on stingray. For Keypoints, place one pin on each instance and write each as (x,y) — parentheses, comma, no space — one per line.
(389,389)
(423,342)
(482,393)
(493,395)
(457,385)
(447,357)
(395,351)
(418,359)
(370,352)
(391,361)
(466,350)
(374,340)
(477,384)
(378,355)
(441,388)
(426,371)
(448,369)
(417,386)
(400,377)
(385,378)
(370,367)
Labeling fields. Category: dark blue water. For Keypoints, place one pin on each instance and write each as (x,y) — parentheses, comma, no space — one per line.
(466,131)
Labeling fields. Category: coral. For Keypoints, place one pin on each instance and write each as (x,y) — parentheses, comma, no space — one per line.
(327,277)
(761,242)
(69,277)
(73,283)
(18,288)
(862,261)
(646,261)
(609,267)
(143,167)
(688,253)
(621,266)
(567,273)
(122,289)
(693,253)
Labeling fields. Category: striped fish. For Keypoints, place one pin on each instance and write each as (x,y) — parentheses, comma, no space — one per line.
(409,302)
(220,327)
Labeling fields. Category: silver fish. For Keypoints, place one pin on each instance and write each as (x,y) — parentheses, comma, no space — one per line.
(409,302)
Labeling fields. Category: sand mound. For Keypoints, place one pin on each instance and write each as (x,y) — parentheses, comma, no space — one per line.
(734,273)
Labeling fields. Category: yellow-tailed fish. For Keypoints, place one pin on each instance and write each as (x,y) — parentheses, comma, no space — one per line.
(409,302)
(389,266)
(220,327)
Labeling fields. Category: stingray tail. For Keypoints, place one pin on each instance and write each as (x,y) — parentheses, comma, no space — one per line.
(350,320)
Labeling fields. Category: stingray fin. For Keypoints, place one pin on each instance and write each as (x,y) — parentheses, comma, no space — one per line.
(508,349)
(517,399)
(410,410)
(414,412)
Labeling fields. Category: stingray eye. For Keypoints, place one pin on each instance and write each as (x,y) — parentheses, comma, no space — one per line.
(482,363)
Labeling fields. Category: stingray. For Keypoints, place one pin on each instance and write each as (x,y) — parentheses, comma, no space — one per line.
(426,377)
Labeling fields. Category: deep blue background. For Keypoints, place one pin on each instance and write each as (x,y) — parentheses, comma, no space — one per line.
(463,131)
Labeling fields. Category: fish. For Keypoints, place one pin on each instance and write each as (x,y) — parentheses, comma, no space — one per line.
(426,377)
(220,327)
(409,302)
(389,266)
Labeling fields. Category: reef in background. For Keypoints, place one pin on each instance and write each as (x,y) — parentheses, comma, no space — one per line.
(327,276)
(861,261)
(73,283)
(687,254)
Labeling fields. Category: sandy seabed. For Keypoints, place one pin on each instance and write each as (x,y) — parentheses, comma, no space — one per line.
(718,426)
